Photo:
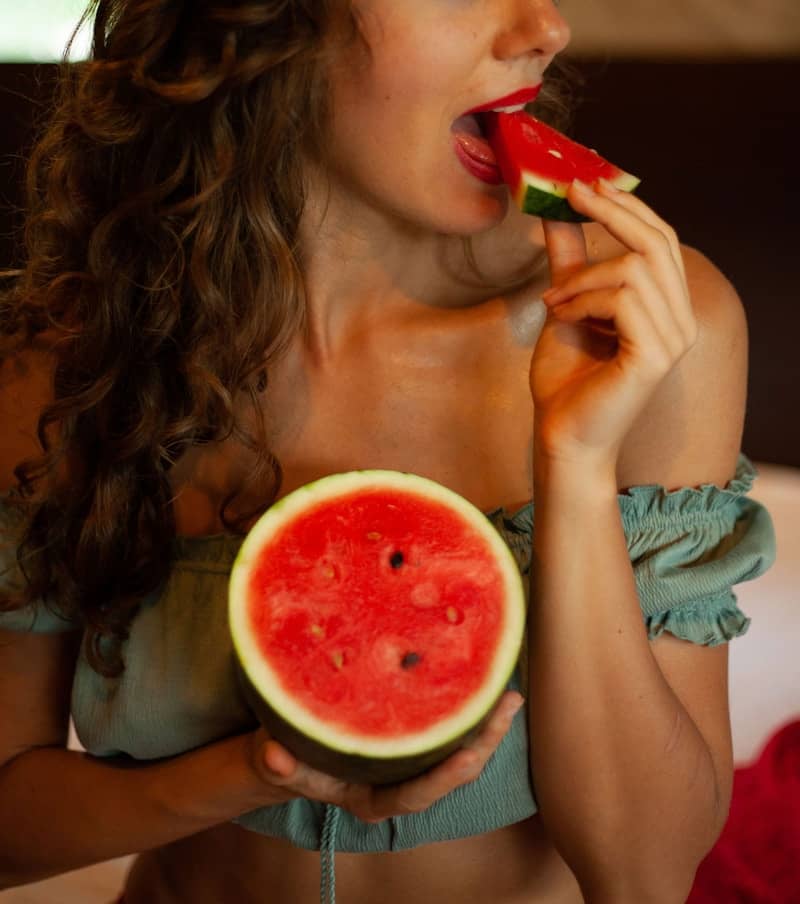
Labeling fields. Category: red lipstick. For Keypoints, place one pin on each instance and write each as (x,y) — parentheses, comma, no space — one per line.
(524,96)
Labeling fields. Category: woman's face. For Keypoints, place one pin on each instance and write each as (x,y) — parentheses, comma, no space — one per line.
(392,145)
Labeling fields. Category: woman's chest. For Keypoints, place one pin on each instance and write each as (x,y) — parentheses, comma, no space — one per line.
(464,420)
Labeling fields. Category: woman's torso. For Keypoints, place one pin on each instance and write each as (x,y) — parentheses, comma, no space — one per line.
(230,865)
(448,399)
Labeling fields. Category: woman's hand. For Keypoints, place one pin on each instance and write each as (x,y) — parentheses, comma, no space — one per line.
(284,777)
(614,329)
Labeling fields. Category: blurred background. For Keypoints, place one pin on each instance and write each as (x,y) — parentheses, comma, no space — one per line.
(701,100)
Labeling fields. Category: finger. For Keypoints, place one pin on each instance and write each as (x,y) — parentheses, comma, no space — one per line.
(638,336)
(640,236)
(497,726)
(460,768)
(634,272)
(418,794)
(566,249)
(636,205)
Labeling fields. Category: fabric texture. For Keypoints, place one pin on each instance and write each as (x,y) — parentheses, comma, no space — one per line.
(755,860)
(688,548)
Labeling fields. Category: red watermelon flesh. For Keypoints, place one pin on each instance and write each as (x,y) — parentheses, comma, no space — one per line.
(376,617)
(418,621)
(539,163)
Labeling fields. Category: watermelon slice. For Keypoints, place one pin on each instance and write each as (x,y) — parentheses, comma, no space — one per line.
(538,163)
(376,618)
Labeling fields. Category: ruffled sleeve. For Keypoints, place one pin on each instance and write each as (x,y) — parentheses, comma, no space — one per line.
(36,618)
(689,547)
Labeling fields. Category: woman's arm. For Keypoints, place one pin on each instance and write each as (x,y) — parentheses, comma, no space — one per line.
(61,809)
(630,740)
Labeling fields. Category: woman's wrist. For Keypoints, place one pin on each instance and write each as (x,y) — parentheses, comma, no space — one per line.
(216,783)
(565,476)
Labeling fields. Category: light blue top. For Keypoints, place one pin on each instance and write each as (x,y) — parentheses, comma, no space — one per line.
(688,548)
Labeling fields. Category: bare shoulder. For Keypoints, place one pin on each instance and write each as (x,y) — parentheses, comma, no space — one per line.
(691,430)
(26,387)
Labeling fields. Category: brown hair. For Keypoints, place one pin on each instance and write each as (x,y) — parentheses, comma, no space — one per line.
(164,197)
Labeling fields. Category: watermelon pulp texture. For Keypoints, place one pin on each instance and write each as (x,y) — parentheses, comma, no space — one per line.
(376,618)
(418,622)
(539,163)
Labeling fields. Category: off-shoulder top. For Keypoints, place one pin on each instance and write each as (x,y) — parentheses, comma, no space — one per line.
(687,547)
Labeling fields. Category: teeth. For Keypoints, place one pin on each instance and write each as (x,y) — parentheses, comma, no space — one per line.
(514,109)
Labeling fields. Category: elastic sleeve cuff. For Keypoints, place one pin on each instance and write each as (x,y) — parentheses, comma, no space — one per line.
(709,622)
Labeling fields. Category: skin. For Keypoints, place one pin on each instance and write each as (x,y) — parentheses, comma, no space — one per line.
(400,345)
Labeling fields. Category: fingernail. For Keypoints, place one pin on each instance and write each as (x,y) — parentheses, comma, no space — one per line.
(607,185)
(513,708)
(581,187)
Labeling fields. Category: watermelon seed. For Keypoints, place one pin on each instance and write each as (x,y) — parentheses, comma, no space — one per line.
(328,571)
(410,660)
(396,560)
(317,630)
(454,616)
(337,659)
(556,153)
(374,535)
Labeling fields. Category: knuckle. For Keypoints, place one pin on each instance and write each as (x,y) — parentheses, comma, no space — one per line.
(661,360)
(632,265)
(662,238)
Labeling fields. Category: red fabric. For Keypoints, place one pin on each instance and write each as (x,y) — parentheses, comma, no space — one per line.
(757,858)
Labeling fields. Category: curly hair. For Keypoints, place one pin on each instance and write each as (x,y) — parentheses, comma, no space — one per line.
(164,197)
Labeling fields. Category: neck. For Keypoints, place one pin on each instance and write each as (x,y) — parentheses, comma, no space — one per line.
(366,272)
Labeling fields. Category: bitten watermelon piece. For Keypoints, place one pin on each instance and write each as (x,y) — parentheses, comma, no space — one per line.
(376,618)
(538,163)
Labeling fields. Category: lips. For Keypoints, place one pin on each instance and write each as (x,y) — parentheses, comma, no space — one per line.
(523,96)
(470,139)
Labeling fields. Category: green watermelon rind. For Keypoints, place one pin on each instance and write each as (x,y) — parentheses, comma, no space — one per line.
(329,748)
(547,199)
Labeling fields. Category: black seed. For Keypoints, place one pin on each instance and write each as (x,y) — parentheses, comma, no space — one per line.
(410,660)
(396,560)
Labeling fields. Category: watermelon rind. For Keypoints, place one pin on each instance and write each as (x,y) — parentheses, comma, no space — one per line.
(548,200)
(328,747)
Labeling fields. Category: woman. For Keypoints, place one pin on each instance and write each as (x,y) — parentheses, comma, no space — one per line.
(247,269)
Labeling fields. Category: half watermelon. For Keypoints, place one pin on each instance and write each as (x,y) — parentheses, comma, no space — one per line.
(539,163)
(376,617)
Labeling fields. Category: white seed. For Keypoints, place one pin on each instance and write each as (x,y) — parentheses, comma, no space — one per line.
(556,154)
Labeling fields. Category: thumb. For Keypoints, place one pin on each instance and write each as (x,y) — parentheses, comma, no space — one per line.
(566,249)
(280,763)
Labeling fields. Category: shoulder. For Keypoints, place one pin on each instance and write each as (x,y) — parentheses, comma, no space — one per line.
(690,432)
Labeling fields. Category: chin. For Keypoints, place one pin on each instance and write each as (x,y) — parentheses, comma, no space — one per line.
(472,213)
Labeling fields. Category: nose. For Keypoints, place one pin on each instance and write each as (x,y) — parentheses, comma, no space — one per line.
(533,27)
